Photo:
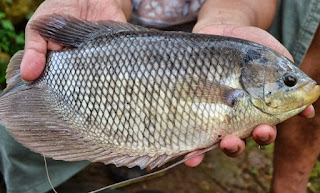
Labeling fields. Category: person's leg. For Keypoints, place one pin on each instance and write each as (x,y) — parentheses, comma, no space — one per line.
(24,170)
(296,150)
(298,141)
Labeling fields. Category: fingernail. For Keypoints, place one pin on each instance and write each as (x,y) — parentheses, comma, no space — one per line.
(264,139)
(312,115)
(233,149)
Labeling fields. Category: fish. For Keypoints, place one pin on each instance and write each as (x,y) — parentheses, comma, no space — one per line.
(131,96)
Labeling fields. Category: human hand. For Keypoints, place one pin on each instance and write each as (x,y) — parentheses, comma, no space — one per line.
(36,47)
(210,22)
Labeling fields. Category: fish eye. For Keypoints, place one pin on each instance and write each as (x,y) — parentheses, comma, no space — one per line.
(289,80)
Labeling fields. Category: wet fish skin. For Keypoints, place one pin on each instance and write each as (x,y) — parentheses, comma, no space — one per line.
(132,96)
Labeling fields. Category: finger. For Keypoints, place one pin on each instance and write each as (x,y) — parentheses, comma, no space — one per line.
(120,11)
(246,13)
(249,33)
(54,46)
(309,112)
(264,134)
(34,59)
(232,145)
(126,6)
(195,161)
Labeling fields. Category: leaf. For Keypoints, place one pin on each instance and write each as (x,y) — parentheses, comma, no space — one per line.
(9,1)
(20,39)
(29,15)
(3,66)
(316,171)
(2,15)
(5,45)
(7,25)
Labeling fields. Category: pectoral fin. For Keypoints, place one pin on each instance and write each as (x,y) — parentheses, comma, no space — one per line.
(208,92)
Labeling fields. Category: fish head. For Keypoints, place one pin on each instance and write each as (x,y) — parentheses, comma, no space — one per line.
(276,86)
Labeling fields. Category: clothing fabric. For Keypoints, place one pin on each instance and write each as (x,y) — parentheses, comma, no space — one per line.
(164,13)
(24,171)
(294,26)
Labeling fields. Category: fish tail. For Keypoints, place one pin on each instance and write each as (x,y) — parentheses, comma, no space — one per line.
(14,83)
(13,78)
(31,117)
(3,107)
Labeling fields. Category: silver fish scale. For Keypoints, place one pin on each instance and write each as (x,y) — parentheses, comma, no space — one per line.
(125,94)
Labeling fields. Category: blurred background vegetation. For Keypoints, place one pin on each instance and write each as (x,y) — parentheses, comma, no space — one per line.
(14,15)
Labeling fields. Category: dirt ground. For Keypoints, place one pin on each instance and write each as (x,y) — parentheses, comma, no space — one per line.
(251,172)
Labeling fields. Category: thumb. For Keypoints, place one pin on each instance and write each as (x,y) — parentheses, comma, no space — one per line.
(34,58)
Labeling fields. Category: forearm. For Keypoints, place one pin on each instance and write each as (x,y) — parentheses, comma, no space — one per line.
(257,13)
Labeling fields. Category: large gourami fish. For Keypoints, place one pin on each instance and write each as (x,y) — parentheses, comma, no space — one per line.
(128,95)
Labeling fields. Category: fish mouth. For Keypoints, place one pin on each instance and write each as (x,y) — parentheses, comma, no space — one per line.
(313,93)
(310,93)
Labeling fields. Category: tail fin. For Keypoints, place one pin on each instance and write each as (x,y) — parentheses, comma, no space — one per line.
(14,81)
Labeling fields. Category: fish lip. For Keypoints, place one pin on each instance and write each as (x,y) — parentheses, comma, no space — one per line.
(313,92)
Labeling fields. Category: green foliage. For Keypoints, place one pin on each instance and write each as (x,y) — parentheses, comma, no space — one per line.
(11,41)
(251,144)
(314,181)
(316,170)
(29,15)
(3,67)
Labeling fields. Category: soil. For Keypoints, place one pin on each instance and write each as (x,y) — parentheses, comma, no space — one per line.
(250,172)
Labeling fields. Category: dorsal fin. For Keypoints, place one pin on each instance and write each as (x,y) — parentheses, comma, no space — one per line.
(70,31)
